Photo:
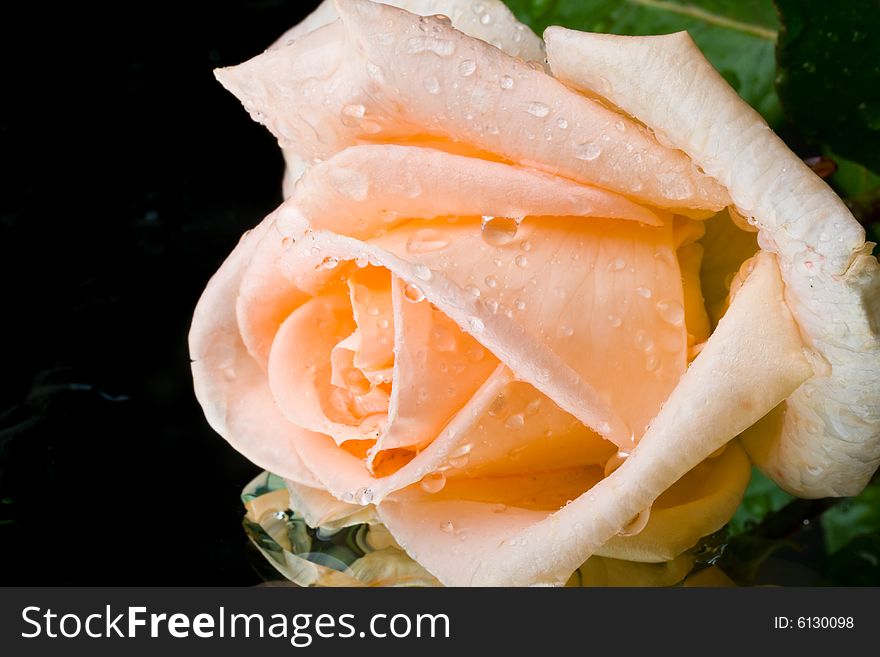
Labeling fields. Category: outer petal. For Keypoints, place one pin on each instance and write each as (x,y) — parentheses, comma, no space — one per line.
(757,348)
(353,82)
(229,385)
(829,437)
(489,20)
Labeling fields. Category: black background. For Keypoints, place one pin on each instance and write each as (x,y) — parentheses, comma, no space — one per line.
(128,174)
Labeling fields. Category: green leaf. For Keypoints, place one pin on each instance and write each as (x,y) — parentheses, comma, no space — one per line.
(737,36)
(852,518)
(829,74)
(761,498)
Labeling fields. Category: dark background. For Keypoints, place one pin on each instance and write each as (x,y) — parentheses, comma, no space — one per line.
(128,174)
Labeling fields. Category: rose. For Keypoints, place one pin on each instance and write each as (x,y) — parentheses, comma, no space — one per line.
(511,395)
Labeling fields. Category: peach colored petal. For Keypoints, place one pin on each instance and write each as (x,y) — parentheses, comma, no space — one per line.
(375,187)
(699,503)
(350,83)
(488,20)
(597,295)
(829,439)
(228,383)
(300,369)
(370,291)
(429,348)
(756,344)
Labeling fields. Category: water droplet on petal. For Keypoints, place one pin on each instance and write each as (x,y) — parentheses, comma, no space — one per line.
(562,123)
(520,304)
(637,524)
(382,323)
(617,264)
(491,281)
(497,406)
(615,461)
(364,496)
(413,294)
(499,231)
(644,341)
(434,482)
(467,67)
(538,109)
(619,126)
(287,243)
(515,422)
(432,85)
(521,261)
(643,292)
(506,82)
(423,273)
(671,312)
(587,152)
(475,324)
(485,19)
(615,321)
(533,407)
(440,47)
(328,263)
(426,240)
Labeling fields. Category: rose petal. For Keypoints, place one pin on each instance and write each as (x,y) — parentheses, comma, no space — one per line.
(300,369)
(428,348)
(756,345)
(699,503)
(229,384)
(828,442)
(323,94)
(375,187)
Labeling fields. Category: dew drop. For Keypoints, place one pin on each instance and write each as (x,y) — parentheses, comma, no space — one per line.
(328,263)
(637,524)
(440,47)
(615,321)
(373,310)
(538,109)
(444,339)
(619,126)
(562,123)
(521,261)
(426,240)
(525,245)
(520,304)
(491,281)
(485,19)
(382,323)
(515,422)
(506,82)
(355,110)
(434,482)
(587,152)
(497,406)
(467,67)
(652,362)
(475,325)
(566,331)
(491,305)
(413,294)
(617,264)
(499,231)
(432,85)
(615,461)
(423,273)
(644,341)
(375,72)
(643,292)
(364,496)
(287,243)
(473,290)
(671,312)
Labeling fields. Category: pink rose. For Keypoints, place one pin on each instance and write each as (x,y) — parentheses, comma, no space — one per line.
(493,311)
